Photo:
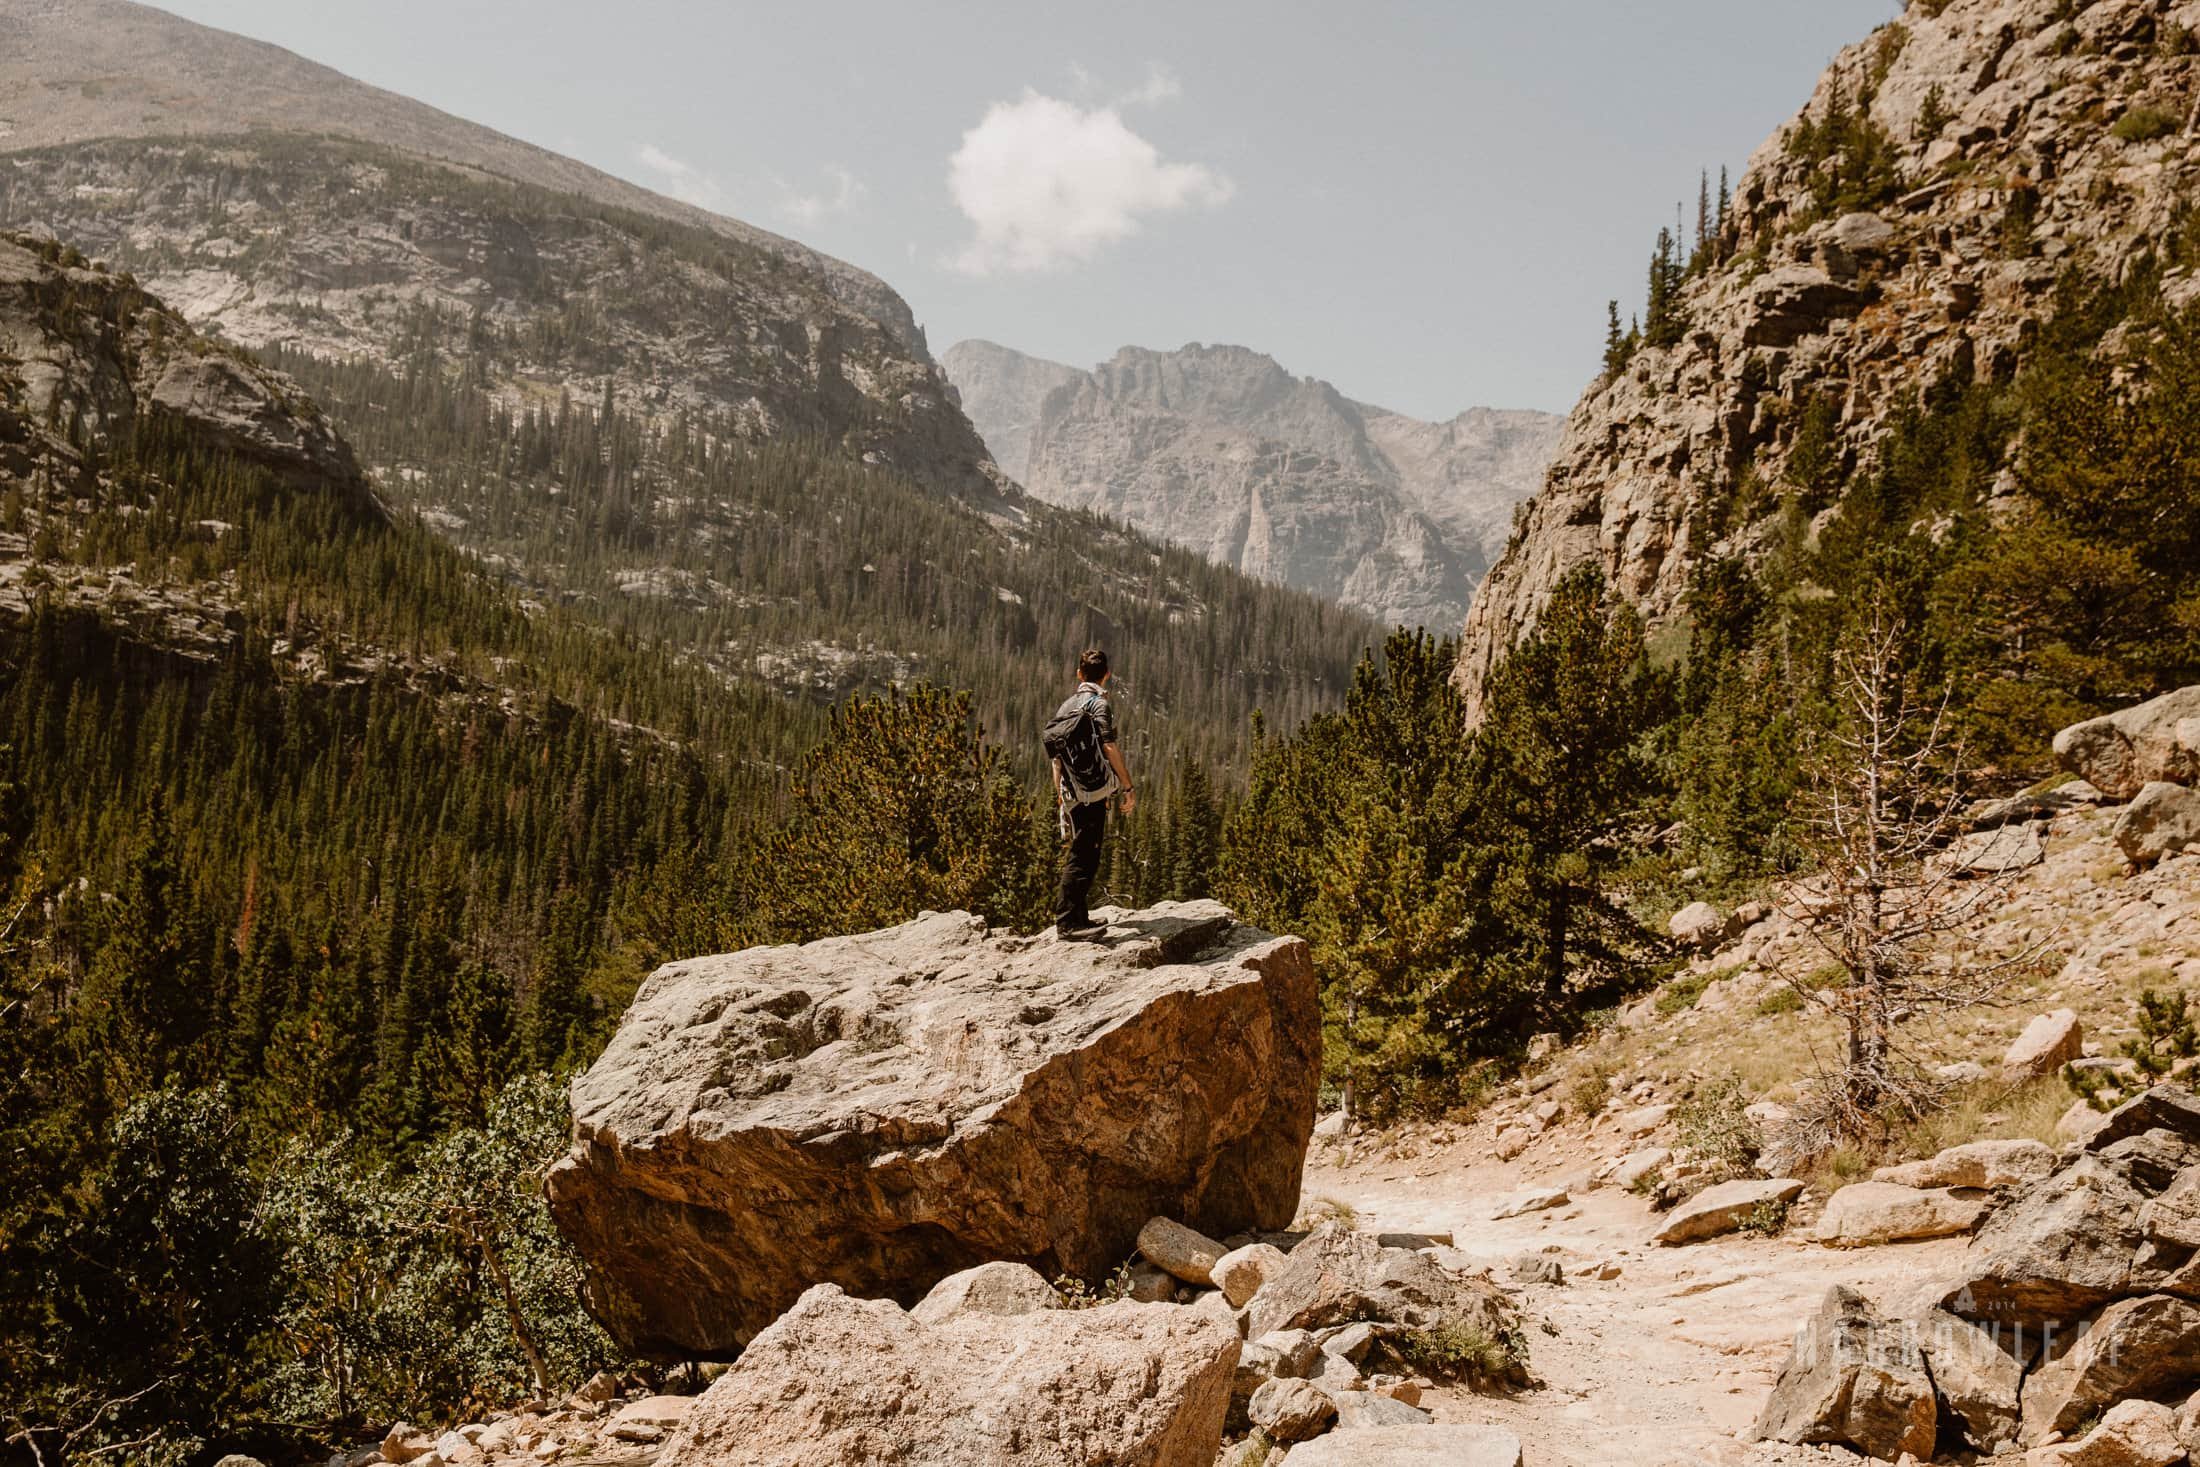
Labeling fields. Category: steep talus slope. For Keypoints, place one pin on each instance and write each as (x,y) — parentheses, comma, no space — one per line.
(77,69)
(2004,144)
(1220,449)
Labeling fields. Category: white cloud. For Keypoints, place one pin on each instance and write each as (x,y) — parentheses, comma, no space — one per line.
(1046,183)
(843,191)
(680,178)
(1160,85)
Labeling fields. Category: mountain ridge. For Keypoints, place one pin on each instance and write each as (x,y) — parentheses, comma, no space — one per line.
(1222,449)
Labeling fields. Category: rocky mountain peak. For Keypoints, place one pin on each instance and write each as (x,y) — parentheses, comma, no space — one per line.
(1222,449)
(1908,226)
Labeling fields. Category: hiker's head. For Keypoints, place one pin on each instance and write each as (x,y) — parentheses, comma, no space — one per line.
(1092,666)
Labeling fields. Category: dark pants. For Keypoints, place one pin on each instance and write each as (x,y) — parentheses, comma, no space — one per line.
(1080,861)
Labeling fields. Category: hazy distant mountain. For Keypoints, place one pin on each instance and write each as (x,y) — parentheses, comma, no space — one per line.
(1222,450)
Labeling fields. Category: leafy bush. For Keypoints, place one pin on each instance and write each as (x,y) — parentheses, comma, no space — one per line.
(1464,1352)
(2143,124)
(1714,1123)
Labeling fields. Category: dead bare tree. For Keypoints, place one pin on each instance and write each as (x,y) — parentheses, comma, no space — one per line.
(1885,803)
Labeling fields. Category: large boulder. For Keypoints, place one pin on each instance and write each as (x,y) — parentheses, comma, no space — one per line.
(2131,1434)
(2155,741)
(2162,820)
(2139,1347)
(881,1111)
(1885,1212)
(1411,1446)
(1724,1208)
(838,1379)
(1339,1277)
(2056,1250)
(1701,925)
(1853,1379)
(2165,1107)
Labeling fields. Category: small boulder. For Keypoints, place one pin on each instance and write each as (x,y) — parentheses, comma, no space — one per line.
(1339,1277)
(2137,1347)
(1863,234)
(1369,1408)
(1534,1268)
(1411,1446)
(2163,820)
(1884,1212)
(1635,1165)
(839,1379)
(2047,1043)
(1148,1284)
(1185,1252)
(1853,1379)
(990,1288)
(1533,1199)
(1700,925)
(1975,1164)
(1642,1120)
(1291,1410)
(404,1442)
(1977,1377)
(1724,1208)
(1240,1272)
(2131,1434)
(1999,852)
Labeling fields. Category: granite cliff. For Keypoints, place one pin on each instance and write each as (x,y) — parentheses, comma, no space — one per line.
(1907,228)
(1222,450)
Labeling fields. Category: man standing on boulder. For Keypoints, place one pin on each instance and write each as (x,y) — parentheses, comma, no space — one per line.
(1088,770)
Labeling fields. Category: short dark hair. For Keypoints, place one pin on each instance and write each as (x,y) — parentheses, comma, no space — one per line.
(1092,665)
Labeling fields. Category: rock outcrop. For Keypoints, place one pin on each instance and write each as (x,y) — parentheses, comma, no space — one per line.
(1221,450)
(857,1380)
(1854,1379)
(2120,754)
(1998,116)
(882,1110)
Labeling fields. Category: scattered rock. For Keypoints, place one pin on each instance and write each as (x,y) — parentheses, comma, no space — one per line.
(1962,1072)
(2046,1044)
(1369,1408)
(1644,1119)
(1886,1212)
(1292,1410)
(1511,1141)
(1240,1272)
(2138,1347)
(1339,1277)
(1636,1165)
(2131,1434)
(405,1442)
(1534,1268)
(1723,1208)
(2162,821)
(767,1119)
(1975,1164)
(1535,1199)
(1997,852)
(990,1288)
(1853,1379)
(600,1387)
(1297,1351)
(1185,1252)
(1112,1386)
(1150,1284)
(1863,234)
(1411,1446)
(2165,1107)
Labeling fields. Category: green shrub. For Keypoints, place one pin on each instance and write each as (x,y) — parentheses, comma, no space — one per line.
(1782,1000)
(2143,124)
(1464,1352)
(1715,1123)
(1681,994)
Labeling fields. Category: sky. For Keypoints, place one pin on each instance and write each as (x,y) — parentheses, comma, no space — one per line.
(1426,204)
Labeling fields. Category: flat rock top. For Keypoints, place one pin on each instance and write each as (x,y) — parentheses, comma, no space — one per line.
(911,1029)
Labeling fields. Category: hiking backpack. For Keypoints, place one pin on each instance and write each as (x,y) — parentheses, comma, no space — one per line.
(1072,739)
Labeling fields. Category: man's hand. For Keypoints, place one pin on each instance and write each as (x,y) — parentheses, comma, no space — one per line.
(1130,801)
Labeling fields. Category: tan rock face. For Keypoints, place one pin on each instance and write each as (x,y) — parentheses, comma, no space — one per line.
(1885,1212)
(2131,1434)
(1853,1379)
(1411,1446)
(2048,1043)
(881,1111)
(1975,1164)
(990,1288)
(1858,311)
(1340,1277)
(857,1380)
(2056,1250)
(2162,820)
(2138,1347)
(2122,753)
(1723,1208)
(1976,1373)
